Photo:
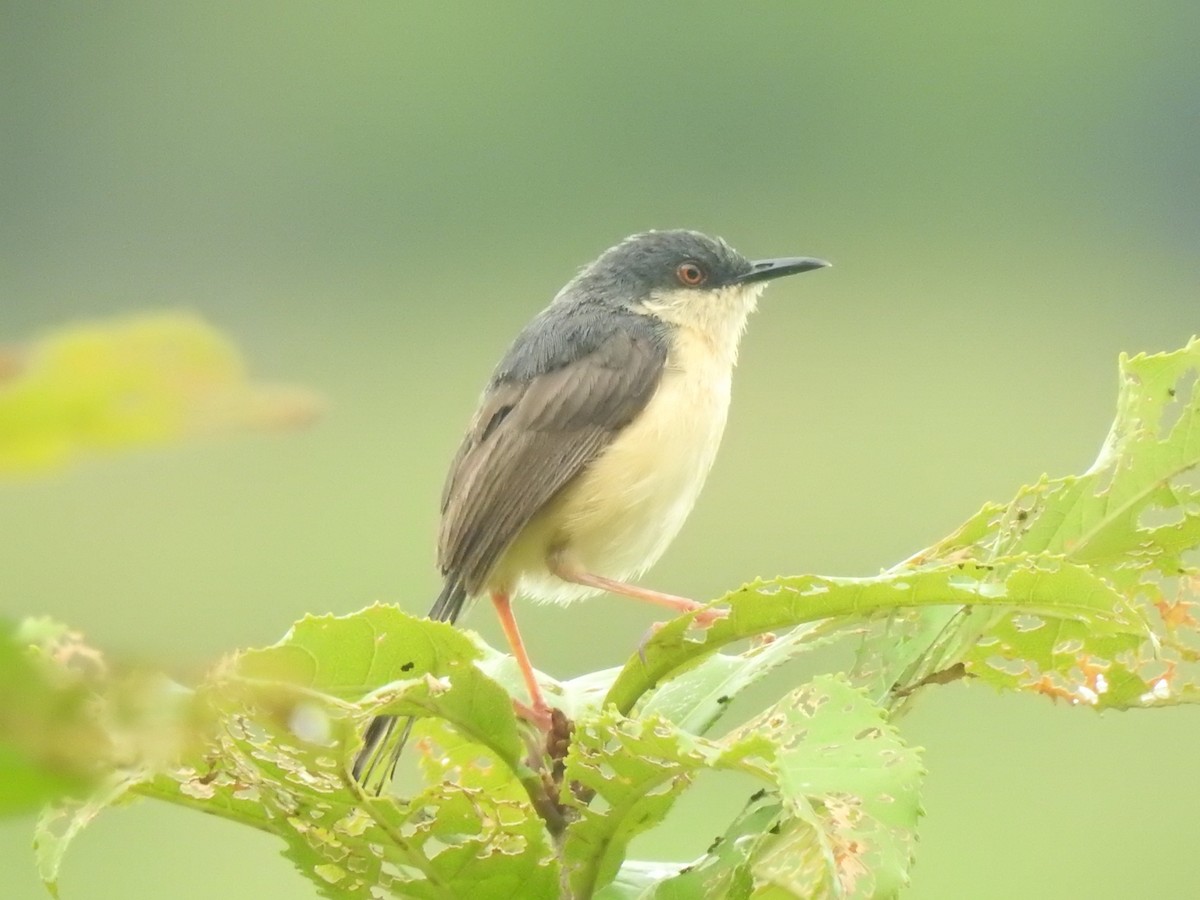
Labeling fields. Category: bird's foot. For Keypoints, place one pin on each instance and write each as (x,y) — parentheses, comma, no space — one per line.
(539,715)
(705,618)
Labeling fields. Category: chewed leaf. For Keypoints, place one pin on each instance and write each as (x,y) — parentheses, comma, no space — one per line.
(131,383)
(280,762)
(725,869)
(49,739)
(59,825)
(841,817)
(1130,524)
(844,769)
(624,775)
(1085,589)
(396,665)
(1043,586)
(698,697)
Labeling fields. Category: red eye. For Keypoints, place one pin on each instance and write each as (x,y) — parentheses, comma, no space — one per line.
(690,274)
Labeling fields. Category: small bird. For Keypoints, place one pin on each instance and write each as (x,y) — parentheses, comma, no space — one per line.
(593,438)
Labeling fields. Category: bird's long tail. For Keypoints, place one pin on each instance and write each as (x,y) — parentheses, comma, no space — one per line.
(386,736)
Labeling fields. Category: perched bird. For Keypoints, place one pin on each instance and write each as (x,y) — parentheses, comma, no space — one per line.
(594,436)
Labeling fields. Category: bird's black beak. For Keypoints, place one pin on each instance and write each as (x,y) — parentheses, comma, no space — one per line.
(777,268)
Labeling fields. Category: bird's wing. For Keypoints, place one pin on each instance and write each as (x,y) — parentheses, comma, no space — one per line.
(533,433)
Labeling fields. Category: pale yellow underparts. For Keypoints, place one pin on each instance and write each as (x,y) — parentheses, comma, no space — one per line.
(618,517)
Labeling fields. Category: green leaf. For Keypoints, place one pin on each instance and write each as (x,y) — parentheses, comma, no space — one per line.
(850,792)
(1042,586)
(725,869)
(841,819)
(137,382)
(51,745)
(697,698)
(1132,522)
(347,657)
(58,826)
(280,762)
(623,776)
(1082,589)
(358,657)
(638,880)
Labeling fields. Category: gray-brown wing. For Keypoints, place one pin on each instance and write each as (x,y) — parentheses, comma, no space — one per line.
(530,438)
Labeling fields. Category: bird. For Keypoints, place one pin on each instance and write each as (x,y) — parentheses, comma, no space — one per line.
(593,439)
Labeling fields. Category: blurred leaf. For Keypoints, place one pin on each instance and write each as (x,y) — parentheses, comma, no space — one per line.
(138,382)
(75,734)
(50,743)
(638,880)
(58,825)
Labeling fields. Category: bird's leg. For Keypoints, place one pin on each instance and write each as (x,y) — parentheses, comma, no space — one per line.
(539,711)
(575,575)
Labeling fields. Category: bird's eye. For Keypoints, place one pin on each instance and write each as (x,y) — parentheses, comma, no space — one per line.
(690,274)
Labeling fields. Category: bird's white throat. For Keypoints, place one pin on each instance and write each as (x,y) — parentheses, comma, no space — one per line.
(717,318)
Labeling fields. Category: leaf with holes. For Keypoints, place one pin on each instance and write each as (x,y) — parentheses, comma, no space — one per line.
(850,791)
(278,762)
(59,825)
(841,819)
(290,726)
(1132,522)
(724,870)
(787,602)
(622,777)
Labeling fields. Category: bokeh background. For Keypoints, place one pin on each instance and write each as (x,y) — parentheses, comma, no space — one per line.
(373,197)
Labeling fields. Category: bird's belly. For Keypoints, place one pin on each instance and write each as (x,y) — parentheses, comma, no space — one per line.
(618,517)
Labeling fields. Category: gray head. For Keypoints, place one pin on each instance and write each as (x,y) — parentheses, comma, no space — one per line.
(661,262)
(655,285)
(681,279)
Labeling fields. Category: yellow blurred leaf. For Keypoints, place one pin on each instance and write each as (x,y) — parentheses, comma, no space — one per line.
(137,382)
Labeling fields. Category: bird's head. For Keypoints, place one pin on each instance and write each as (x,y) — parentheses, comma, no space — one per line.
(685,279)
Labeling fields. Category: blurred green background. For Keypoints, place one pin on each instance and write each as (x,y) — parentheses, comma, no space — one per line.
(373,197)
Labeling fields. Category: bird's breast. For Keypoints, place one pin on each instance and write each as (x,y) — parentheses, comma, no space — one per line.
(618,517)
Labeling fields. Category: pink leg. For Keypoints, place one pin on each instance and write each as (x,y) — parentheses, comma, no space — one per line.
(671,601)
(539,713)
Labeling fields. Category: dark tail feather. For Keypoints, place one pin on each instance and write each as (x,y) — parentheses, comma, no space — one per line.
(450,602)
(378,735)
(374,752)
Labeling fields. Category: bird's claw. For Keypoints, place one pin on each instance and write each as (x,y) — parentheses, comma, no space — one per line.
(539,715)
(705,618)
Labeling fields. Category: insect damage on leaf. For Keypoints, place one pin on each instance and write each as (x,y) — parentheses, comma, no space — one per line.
(281,761)
(1128,529)
(1082,589)
(840,816)
(1134,521)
